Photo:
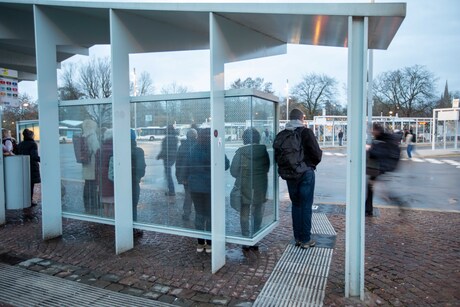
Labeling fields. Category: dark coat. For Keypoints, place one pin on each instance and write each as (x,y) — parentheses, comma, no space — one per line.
(250,166)
(183,154)
(102,168)
(137,162)
(29,147)
(199,168)
(169,149)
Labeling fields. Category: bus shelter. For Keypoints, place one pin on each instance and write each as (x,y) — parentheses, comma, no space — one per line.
(445,132)
(37,36)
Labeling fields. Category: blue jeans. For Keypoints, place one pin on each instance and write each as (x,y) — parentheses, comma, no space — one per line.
(301,193)
(409,150)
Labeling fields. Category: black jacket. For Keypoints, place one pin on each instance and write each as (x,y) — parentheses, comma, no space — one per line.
(29,147)
(312,152)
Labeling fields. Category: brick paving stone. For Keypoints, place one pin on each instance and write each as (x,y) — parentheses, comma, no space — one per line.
(101,284)
(407,260)
(115,287)
(110,277)
(132,291)
(167,298)
(152,295)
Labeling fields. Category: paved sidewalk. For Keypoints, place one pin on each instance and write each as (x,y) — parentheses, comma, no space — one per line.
(412,259)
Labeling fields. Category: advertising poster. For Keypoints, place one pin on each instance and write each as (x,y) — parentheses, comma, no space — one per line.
(9,87)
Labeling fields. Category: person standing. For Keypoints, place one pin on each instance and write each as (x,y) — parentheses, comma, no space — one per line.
(301,189)
(8,142)
(250,167)
(168,155)
(106,188)
(137,171)
(199,178)
(181,170)
(409,139)
(29,147)
(340,137)
(90,197)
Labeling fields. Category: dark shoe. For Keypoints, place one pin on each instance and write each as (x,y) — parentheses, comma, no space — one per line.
(247,248)
(33,204)
(308,244)
(297,243)
(369,214)
(138,233)
(200,248)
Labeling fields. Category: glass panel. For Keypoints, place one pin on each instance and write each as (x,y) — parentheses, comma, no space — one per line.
(249,147)
(85,148)
(163,133)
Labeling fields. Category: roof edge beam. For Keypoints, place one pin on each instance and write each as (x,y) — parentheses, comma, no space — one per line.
(244,43)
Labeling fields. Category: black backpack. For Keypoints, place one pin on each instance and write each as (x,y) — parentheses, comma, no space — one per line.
(289,154)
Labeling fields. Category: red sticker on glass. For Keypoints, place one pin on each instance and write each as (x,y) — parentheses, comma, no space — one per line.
(216,133)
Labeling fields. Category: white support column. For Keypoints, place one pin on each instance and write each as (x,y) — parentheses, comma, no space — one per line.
(45,46)
(217,44)
(356,135)
(120,44)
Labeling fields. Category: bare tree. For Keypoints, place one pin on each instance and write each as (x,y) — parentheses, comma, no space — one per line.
(408,91)
(257,83)
(314,91)
(142,86)
(94,81)
(69,89)
(174,88)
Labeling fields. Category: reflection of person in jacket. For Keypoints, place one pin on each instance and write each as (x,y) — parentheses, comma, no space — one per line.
(168,155)
(105,184)
(250,166)
(183,153)
(138,171)
(30,148)
(199,178)
(90,197)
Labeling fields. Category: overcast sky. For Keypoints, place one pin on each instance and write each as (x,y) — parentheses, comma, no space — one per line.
(429,36)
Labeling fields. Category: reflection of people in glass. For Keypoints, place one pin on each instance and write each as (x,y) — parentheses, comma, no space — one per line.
(90,197)
(168,155)
(181,170)
(138,171)
(199,178)
(105,184)
(250,166)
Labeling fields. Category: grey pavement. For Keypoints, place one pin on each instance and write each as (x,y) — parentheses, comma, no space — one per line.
(411,259)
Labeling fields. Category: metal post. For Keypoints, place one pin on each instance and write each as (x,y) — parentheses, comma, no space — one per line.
(218,56)
(356,135)
(46,38)
(120,48)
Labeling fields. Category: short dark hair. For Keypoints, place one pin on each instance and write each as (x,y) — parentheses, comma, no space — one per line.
(27,133)
(377,127)
(296,114)
(251,136)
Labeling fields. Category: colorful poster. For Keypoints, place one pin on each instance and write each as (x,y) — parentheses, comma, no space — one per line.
(9,88)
